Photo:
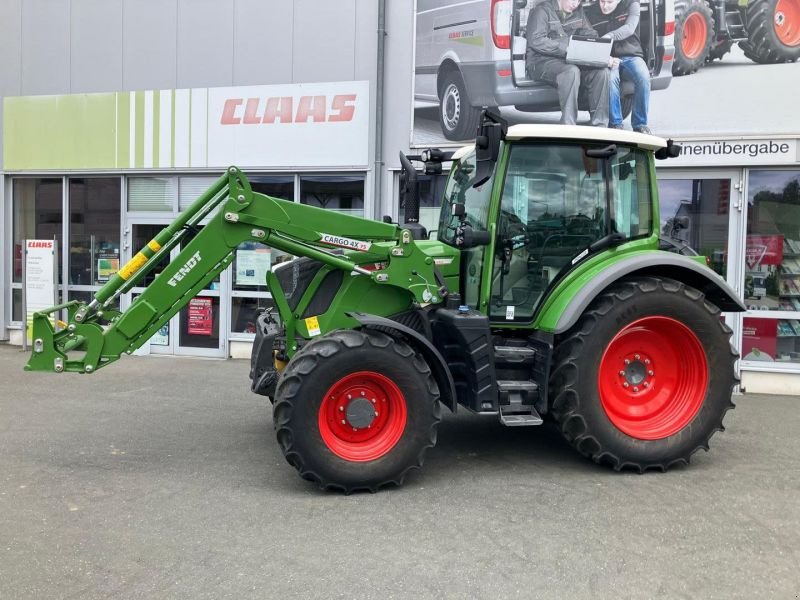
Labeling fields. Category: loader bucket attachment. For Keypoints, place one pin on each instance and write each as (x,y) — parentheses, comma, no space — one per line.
(76,348)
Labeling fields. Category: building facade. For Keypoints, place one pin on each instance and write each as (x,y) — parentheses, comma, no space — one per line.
(118,113)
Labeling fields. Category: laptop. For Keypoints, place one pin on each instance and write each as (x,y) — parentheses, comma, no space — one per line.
(588,51)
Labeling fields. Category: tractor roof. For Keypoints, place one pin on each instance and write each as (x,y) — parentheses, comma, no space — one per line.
(575,132)
(583,132)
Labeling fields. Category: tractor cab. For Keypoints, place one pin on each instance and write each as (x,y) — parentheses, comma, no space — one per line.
(555,197)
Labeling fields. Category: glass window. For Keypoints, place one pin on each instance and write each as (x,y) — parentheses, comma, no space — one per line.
(342,193)
(94,227)
(245,311)
(16,304)
(152,194)
(772,269)
(771,340)
(694,212)
(277,186)
(556,202)
(37,214)
(459,190)
(431,192)
(191,188)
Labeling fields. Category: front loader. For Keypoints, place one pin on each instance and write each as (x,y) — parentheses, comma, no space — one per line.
(544,295)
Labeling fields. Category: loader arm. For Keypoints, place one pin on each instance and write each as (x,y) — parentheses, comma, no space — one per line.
(94,335)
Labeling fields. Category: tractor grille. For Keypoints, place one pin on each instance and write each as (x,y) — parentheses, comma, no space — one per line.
(296,276)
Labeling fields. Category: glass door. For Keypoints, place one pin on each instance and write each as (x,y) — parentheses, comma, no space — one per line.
(703,209)
(200,328)
(201,325)
(137,235)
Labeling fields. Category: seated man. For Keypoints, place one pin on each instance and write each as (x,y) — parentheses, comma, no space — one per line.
(550,25)
(619,20)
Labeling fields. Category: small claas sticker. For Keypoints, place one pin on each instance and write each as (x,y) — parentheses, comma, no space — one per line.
(312,325)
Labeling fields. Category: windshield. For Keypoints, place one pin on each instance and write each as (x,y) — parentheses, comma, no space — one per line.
(459,190)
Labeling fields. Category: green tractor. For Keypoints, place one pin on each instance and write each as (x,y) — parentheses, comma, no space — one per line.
(544,294)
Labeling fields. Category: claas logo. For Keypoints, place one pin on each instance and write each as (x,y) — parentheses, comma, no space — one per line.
(40,244)
(288,109)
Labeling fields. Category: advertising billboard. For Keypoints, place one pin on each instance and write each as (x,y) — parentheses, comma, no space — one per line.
(685,69)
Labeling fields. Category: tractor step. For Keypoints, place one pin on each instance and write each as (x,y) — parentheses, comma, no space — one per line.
(520,420)
(516,408)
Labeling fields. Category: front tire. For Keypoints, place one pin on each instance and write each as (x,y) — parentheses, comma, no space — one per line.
(645,377)
(457,117)
(356,410)
(694,31)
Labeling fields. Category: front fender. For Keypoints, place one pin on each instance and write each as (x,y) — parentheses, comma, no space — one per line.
(571,298)
(441,373)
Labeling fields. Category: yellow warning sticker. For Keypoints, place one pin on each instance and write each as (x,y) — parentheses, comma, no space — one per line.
(312,324)
(154,245)
(132,266)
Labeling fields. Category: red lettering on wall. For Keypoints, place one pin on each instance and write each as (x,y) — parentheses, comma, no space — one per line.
(228,117)
(280,108)
(250,110)
(311,107)
(342,107)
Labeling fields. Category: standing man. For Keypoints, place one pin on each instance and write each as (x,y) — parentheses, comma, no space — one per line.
(619,20)
(550,25)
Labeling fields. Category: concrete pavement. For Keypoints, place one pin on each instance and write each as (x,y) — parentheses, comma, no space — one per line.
(161,478)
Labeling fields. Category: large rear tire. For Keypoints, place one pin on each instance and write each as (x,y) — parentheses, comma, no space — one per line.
(645,377)
(356,410)
(694,32)
(773,29)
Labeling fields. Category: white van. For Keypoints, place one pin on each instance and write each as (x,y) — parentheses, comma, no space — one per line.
(471,53)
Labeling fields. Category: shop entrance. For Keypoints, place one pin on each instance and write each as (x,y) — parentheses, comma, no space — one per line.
(198,328)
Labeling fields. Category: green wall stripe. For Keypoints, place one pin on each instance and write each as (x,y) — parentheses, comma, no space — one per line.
(138,161)
(172,132)
(123,130)
(156,126)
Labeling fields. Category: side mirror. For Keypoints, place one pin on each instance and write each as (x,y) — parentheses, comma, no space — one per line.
(491,132)
(672,150)
(520,4)
(458,210)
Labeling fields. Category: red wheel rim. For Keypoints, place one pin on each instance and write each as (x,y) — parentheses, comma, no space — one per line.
(362,416)
(695,33)
(787,22)
(653,378)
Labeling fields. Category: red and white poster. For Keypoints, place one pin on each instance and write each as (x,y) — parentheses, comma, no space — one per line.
(764,250)
(201,316)
(760,339)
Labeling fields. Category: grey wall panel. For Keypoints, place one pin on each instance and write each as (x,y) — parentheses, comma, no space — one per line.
(399,63)
(96,46)
(10,65)
(205,43)
(149,42)
(10,48)
(365,39)
(45,47)
(323,47)
(262,37)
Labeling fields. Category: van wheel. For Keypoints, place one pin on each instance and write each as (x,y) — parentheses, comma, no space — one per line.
(645,377)
(694,30)
(458,118)
(773,28)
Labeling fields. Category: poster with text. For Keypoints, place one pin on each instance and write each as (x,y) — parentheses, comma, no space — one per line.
(201,317)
